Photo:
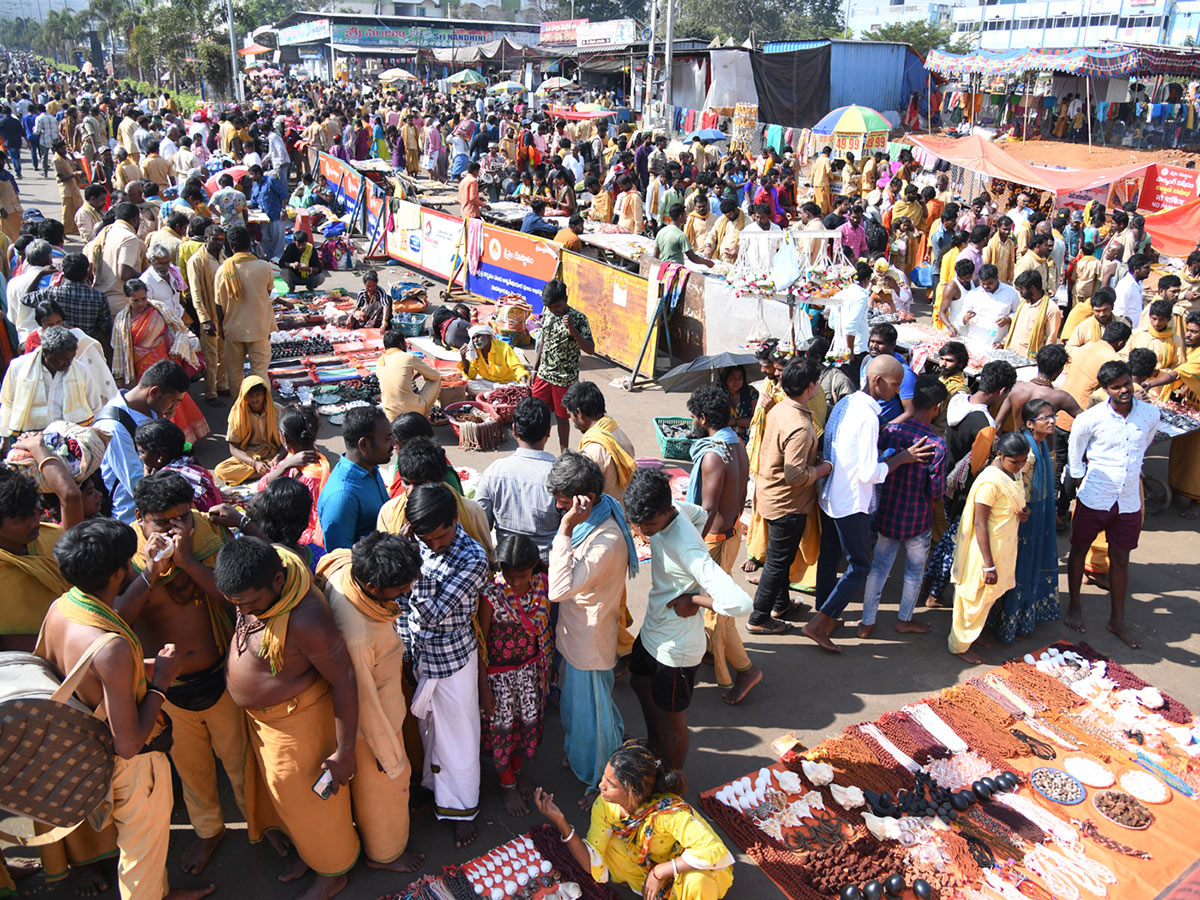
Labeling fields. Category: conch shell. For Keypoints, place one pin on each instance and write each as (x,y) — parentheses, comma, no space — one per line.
(847,797)
(818,773)
(884,829)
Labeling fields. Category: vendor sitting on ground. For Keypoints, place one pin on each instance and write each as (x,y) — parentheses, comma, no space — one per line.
(489,363)
(254,442)
(374,307)
(300,264)
(643,834)
(396,370)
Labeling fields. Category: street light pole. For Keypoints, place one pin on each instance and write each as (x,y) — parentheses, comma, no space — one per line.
(236,84)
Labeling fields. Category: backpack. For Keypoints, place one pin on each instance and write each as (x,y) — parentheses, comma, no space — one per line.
(876,235)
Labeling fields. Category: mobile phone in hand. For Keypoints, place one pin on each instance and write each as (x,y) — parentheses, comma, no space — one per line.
(323,786)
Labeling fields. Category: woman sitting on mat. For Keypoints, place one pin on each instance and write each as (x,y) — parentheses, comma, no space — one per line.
(254,441)
(642,833)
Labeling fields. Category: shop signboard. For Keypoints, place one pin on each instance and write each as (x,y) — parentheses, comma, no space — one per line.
(560,31)
(613,33)
(304,33)
(1167,187)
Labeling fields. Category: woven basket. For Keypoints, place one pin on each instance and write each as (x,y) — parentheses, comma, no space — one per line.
(453,390)
(504,411)
(489,434)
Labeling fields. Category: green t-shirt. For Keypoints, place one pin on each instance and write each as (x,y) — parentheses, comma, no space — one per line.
(671,244)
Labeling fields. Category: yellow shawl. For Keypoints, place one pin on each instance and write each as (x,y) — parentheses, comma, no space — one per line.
(1037,333)
(602,433)
(297,583)
(334,569)
(84,609)
(396,519)
(203,292)
(241,418)
(228,276)
(23,614)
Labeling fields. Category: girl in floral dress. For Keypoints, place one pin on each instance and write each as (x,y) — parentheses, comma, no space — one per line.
(514,618)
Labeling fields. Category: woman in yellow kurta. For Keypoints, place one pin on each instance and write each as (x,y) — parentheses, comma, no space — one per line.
(253,434)
(489,363)
(643,835)
(985,560)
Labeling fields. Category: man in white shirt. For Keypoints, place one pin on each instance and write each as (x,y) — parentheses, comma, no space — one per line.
(847,497)
(183,160)
(1107,445)
(1130,296)
(851,331)
(45,129)
(987,310)
(572,162)
(169,145)
(671,643)
(277,153)
(758,253)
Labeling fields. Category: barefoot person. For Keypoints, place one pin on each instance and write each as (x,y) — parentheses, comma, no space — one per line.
(904,514)
(670,645)
(851,435)
(183,606)
(642,833)
(362,585)
(718,486)
(1108,444)
(289,670)
(785,490)
(94,557)
(985,560)
(436,624)
(590,558)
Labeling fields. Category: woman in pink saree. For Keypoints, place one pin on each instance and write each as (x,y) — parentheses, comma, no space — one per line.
(144,333)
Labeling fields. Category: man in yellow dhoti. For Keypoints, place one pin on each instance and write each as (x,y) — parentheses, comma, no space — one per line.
(362,586)
(985,558)
(821,178)
(184,606)
(289,670)
(94,558)
(1000,251)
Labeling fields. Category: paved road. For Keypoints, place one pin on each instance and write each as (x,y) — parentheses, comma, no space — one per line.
(805,690)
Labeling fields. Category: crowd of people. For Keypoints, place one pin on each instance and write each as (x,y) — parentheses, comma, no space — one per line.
(342,644)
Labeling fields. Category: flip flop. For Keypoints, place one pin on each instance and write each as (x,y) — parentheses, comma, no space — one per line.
(776,626)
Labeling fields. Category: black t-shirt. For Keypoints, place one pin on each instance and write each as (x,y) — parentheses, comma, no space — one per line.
(833,221)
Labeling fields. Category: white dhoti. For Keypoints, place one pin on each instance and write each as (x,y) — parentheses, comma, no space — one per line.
(448,710)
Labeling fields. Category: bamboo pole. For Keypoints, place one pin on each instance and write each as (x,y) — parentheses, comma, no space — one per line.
(1087,111)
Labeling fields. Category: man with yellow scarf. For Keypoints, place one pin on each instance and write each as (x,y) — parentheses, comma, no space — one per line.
(94,559)
(1158,334)
(363,586)
(245,319)
(603,440)
(202,268)
(184,606)
(1036,321)
(289,670)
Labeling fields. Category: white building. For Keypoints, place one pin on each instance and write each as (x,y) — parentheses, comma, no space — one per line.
(1053,24)
(871,15)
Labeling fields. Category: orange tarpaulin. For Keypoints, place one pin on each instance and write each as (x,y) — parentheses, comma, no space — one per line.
(1175,232)
(981,155)
(253,50)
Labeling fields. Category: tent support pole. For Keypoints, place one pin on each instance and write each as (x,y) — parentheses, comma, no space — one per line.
(1025,111)
(1087,111)
(928,103)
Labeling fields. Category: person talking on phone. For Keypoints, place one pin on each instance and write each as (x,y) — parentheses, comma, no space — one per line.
(289,669)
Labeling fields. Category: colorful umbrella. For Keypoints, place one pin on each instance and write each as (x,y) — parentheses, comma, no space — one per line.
(466,76)
(852,120)
(506,86)
(556,84)
(708,134)
(237,172)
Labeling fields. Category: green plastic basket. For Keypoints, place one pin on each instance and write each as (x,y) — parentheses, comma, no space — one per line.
(414,328)
(673,448)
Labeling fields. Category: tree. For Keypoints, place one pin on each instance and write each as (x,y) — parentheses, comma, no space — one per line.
(923,36)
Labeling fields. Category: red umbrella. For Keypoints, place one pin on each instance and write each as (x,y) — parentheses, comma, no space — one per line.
(236,171)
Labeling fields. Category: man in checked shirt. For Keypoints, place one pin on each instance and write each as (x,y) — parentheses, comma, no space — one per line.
(905,512)
(435,622)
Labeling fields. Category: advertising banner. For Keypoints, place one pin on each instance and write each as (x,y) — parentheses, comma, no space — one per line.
(613,33)
(342,180)
(417,36)
(514,263)
(433,247)
(404,238)
(560,31)
(1167,187)
(304,33)
(615,303)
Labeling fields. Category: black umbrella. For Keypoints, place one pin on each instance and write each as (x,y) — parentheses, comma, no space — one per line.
(699,371)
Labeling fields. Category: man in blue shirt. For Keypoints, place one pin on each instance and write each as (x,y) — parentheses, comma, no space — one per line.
(155,396)
(535,223)
(882,342)
(270,196)
(351,499)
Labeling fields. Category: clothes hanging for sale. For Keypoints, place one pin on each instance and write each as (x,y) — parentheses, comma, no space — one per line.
(775,138)
(1101,109)
(708,120)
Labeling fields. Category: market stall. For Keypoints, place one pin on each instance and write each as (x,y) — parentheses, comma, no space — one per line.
(852,129)
(1059,776)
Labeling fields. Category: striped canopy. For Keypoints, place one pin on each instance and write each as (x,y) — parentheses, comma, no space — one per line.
(852,119)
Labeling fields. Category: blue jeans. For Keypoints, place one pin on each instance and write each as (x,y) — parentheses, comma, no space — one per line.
(271,234)
(916,552)
(851,537)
